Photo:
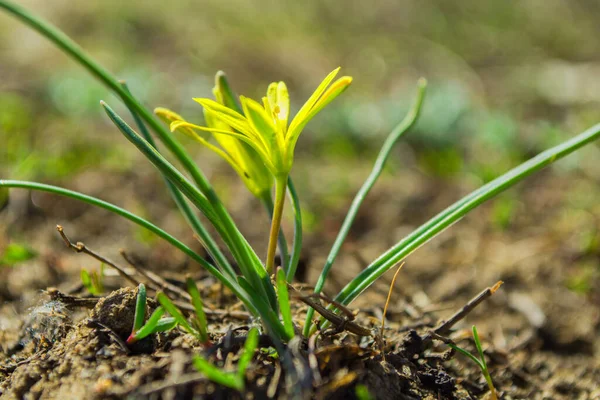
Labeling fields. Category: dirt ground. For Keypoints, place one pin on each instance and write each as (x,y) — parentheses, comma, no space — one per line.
(539,331)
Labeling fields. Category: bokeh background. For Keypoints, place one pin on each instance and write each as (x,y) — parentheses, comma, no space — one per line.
(506,80)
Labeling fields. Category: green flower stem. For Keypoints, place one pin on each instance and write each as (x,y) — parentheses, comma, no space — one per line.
(295,258)
(267,200)
(459,209)
(280,189)
(383,156)
(186,210)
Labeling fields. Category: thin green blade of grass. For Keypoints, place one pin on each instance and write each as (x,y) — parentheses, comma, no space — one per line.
(172,309)
(114,209)
(478,346)
(201,323)
(228,282)
(148,328)
(269,317)
(86,281)
(248,352)
(284,302)
(237,244)
(214,374)
(187,212)
(297,246)
(455,212)
(140,308)
(403,127)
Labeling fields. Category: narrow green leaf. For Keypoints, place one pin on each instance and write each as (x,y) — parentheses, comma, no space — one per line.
(455,212)
(284,302)
(148,328)
(214,374)
(297,246)
(248,353)
(200,320)
(175,313)
(400,129)
(187,212)
(479,348)
(467,354)
(140,308)
(164,325)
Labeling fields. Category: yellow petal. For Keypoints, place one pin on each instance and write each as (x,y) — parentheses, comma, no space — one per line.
(312,100)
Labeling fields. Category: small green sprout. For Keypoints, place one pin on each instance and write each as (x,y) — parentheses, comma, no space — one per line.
(199,321)
(154,324)
(479,361)
(233,380)
(16,253)
(94,281)
(199,330)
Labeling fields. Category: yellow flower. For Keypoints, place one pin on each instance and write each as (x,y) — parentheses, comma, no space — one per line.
(244,160)
(264,126)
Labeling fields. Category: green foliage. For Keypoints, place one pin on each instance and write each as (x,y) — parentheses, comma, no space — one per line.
(199,321)
(154,324)
(264,128)
(94,281)
(230,379)
(362,393)
(481,363)
(15,253)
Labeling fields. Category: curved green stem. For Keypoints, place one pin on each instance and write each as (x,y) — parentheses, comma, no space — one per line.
(280,188)
(382,157)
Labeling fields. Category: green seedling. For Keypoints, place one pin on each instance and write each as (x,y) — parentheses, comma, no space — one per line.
(199,320)
(154,324)
(362,393)
(256,139)
(233,380)
(481,363)
(16,253)
(94,281)
(199,328)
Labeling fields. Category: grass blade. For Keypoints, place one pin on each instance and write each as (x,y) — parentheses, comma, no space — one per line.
(297,247)
(218,376)
(382,157)
(455,212)
(140,308)
(230,283)
(148,328)
(284,302)
(248,353)
(200,320)
(172,309)
(189,215)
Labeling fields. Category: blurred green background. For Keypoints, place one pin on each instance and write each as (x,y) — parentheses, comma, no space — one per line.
(506,80)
